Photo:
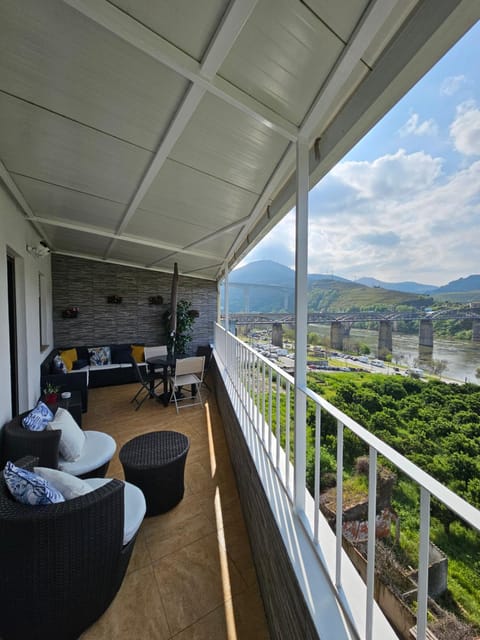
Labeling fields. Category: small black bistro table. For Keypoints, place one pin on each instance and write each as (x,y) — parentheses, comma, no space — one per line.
(155,462)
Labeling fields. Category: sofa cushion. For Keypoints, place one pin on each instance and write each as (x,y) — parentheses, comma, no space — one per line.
(30,488)
(100,356)
(99,448)
(134,503)
(69,356)
(69,486)
(121,353)
(137,352)
(38,418)
(72,439)
(58,365)
(80,364)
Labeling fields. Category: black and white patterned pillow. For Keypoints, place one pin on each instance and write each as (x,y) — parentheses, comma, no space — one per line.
(38,418)
(29,488)
(100,356)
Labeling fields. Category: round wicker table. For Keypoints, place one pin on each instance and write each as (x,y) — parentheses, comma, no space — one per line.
(155,462)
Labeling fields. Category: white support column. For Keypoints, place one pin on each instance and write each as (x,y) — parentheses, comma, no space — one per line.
(226,310)
(301,316)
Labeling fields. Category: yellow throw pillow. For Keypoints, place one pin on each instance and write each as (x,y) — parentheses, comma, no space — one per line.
(69,357)
(137,352)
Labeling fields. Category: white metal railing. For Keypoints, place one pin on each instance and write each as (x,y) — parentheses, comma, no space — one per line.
(256,387)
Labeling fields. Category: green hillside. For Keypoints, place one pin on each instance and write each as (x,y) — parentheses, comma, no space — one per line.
(461,297)
(332,295)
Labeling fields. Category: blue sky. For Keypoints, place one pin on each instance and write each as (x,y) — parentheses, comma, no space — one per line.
(404,204)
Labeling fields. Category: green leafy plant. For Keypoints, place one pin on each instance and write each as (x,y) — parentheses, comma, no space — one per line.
(178,342)
(50,389)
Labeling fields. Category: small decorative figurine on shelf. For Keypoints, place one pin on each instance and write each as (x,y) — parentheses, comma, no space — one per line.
(71,312)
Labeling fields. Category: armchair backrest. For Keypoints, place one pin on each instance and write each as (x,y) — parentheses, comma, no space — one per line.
(19,442)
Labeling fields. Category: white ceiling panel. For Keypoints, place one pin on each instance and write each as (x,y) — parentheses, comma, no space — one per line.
(102,82)
(340,16)
(77,242)
(50,201)
(242,154)
(165,228)
(282,57)
(190,265)
(66,153)
(186,24)
(192,196)
(137,253)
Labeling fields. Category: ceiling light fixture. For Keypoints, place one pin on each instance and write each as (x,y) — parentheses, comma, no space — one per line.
(39,251)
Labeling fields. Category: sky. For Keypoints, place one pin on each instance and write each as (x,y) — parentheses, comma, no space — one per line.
(404,204)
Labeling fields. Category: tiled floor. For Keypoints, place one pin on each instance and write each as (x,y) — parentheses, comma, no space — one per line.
(191,576)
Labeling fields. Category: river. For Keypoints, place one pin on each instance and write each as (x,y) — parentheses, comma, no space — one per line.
(462,357)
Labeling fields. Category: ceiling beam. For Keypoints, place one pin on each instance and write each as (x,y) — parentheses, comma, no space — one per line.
(147,242)
(143,39)
(228,31)
(20,200)
(124,263)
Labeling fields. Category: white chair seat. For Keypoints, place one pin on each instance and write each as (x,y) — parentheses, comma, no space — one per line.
(135,506)
(188,378)
(188,371)
(99,448)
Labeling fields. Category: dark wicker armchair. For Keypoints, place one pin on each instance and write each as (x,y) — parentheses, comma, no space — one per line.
(61,564)
(18,442)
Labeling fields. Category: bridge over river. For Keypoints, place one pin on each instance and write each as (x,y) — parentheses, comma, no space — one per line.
(341,322)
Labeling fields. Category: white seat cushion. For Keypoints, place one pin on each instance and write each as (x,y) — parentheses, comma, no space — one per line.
(135,506)
(98,449)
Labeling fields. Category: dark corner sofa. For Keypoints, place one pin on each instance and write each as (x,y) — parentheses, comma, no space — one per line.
(84,376)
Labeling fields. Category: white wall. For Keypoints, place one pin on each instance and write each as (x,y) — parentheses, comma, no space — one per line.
(15,234)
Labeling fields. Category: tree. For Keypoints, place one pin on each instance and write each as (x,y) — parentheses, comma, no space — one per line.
(438,367)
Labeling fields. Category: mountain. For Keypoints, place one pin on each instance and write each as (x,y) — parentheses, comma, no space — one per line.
(267,286)
(270,272)
(264,272)
(470,283)
(406,287)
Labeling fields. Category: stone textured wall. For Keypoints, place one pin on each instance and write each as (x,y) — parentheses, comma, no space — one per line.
(87,284)
(285,608)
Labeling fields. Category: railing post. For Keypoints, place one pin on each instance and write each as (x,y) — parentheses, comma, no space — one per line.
(423,558)
(301,317)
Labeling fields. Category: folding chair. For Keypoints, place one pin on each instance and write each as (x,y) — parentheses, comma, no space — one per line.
(153,352)
(188,371)
(206,351)
(148,383)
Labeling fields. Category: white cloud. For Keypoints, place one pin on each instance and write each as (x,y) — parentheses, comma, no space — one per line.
(413,126)
(396,176)
(452,84)
(429,236)
(465,129)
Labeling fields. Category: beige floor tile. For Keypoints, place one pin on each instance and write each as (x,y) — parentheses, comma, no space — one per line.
(136,612)
(196,580)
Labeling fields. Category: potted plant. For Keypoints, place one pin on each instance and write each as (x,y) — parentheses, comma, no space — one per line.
(50,393)
(178,342)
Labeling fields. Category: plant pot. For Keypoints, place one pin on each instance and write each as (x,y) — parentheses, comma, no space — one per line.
(50,398)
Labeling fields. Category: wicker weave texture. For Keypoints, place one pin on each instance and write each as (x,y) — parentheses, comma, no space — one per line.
(155,462)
